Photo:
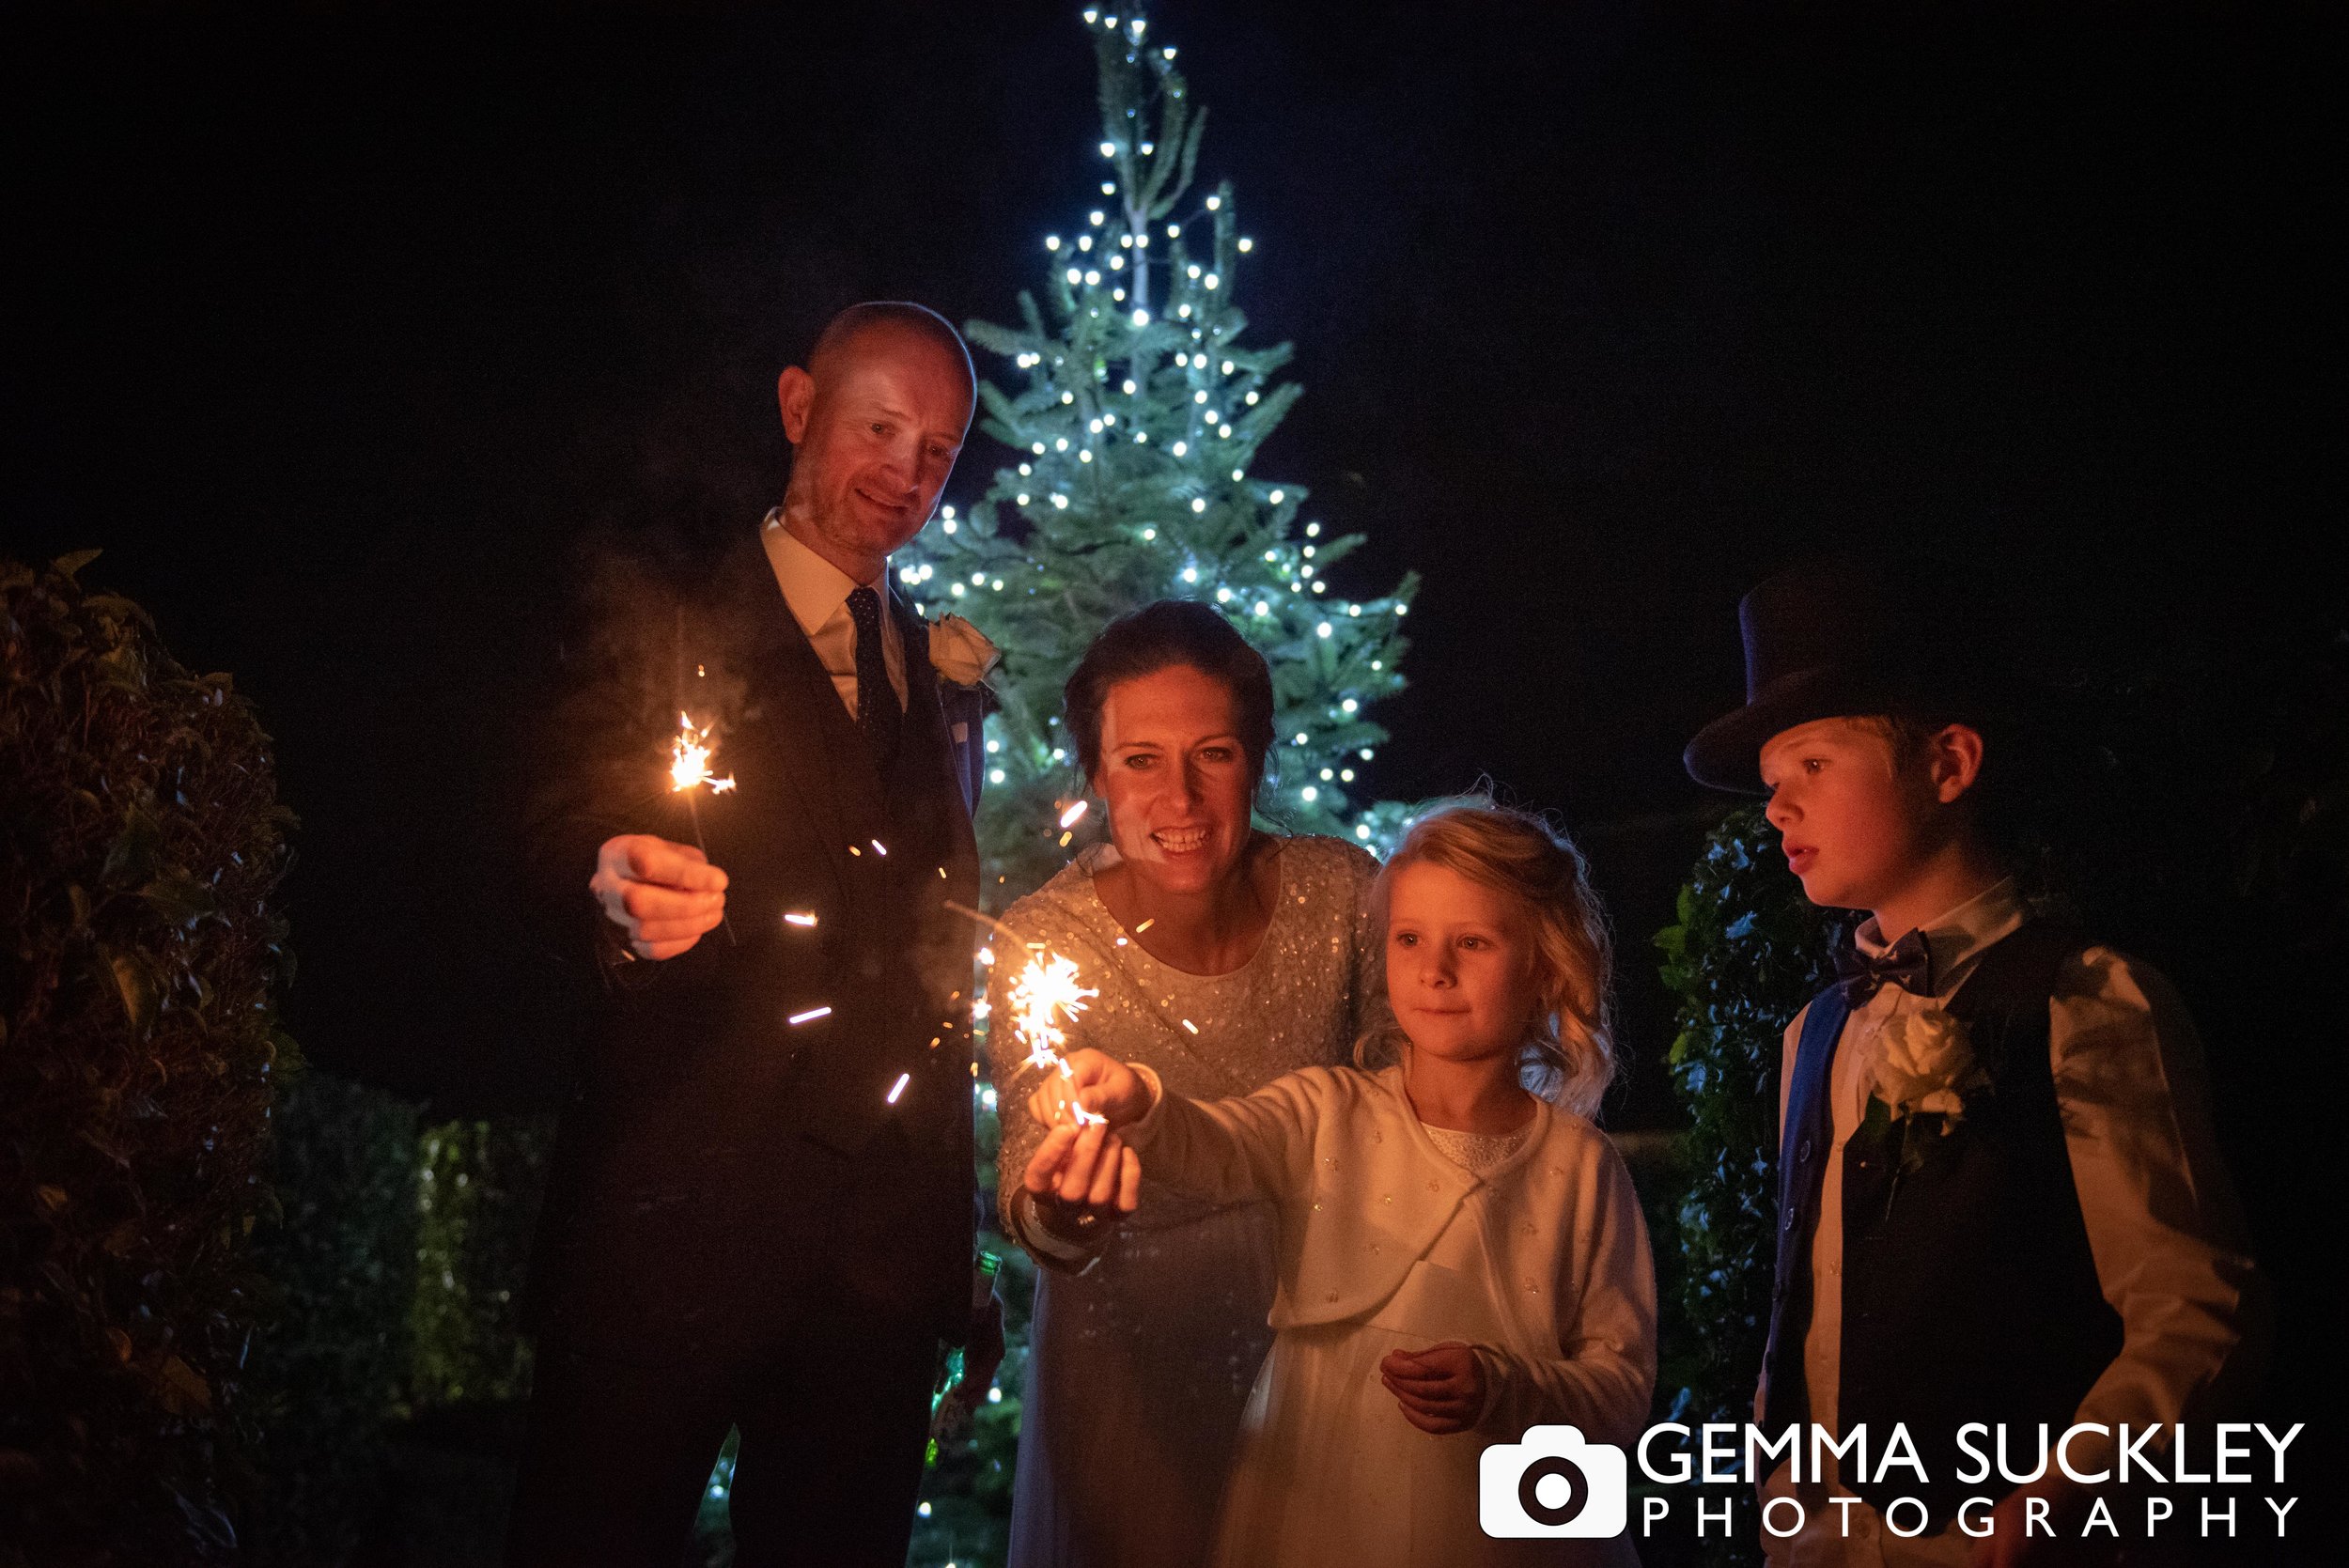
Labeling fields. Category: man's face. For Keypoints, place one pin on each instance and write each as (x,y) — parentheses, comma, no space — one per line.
(1856,824)
(874,436)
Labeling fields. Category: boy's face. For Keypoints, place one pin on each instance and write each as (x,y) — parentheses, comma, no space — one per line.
(1857,822)
(1459,966)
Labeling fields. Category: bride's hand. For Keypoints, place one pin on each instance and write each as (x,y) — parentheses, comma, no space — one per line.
(1082,1177)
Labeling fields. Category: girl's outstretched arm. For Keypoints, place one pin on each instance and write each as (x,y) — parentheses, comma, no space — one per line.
(1250,1145)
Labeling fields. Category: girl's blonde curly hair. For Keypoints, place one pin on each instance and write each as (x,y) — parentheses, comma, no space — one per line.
(1569,1053)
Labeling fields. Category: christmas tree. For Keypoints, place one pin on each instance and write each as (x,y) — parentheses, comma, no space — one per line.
(1135,412)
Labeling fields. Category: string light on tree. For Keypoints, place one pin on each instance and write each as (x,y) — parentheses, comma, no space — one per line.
(1136,404)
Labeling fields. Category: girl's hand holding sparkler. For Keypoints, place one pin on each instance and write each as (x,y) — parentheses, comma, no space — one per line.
(1095,1083)
(1084,1165)
(663,896)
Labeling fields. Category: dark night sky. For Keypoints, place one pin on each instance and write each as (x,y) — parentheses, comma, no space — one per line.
(336,329)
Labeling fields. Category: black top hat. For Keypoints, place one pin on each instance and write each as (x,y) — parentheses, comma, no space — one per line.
(1837,637)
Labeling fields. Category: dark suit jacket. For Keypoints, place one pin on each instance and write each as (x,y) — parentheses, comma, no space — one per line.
(721,1169)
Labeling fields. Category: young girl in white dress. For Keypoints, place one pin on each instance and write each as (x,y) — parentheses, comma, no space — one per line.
(1461,1256)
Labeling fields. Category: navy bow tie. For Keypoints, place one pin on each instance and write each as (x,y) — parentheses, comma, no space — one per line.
(1907,963)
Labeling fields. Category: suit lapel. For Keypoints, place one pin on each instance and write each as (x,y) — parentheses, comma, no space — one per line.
(816,741)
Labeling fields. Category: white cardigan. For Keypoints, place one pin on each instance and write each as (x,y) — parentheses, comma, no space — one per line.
(1364,1192)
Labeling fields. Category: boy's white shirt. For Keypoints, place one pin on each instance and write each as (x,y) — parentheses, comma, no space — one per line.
(1364,1192)
(2163,1226)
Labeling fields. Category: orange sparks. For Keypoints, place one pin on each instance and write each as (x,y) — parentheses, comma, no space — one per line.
(809,1015)
(798,917)
(1075,813)
(1047,996)
(688,758)
(899,1087)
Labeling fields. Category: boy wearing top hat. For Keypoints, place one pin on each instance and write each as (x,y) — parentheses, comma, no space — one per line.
(1999,1196)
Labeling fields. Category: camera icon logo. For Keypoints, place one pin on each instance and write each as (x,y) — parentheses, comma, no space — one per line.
(1551,1482)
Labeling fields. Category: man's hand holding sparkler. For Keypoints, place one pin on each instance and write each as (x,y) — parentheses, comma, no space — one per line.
(664,897)
(1083,1166)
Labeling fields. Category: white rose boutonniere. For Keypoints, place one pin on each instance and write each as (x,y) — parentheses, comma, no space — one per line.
(1925,1063)
(961,651)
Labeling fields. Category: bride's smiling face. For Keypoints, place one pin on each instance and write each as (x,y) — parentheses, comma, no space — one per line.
(1174,777)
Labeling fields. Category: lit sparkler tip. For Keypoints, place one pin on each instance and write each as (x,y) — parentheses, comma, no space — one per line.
(798,917)
(1075,813)
(809,1015)
(719,786)
(899,1087)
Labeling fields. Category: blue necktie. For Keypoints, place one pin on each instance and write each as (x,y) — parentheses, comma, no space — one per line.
(876,712)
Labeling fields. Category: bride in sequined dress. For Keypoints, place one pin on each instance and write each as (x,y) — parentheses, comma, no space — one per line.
(1225,957)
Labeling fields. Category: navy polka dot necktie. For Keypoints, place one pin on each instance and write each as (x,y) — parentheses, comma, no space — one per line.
(876,712)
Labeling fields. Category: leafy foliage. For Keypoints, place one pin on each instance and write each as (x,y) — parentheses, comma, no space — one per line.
(1748,952)
(141,841)
(1137,413)
(332,1361)
(478,1186)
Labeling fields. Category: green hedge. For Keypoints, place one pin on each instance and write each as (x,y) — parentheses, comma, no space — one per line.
(333,1364)
(477,1190)
(141,842)
(1748,952)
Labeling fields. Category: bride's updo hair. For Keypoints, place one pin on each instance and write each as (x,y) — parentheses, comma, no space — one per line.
(1569,1052)
(1158,637)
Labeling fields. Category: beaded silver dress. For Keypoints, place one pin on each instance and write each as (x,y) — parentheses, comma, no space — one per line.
(1138,1368)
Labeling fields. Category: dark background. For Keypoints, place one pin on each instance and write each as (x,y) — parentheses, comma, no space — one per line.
(336,327)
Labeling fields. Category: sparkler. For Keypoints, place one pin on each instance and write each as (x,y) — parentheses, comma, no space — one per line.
(1045,997)
(690,752)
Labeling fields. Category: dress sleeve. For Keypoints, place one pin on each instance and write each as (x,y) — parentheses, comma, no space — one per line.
(1604,1374)
(2162,1220)
(1368,978)
(1250,1145)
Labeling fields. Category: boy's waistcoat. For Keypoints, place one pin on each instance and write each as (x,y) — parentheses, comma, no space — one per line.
(1970,1291)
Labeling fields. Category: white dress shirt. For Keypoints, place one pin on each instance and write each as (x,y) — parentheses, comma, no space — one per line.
(2163,1226)
(817,593)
